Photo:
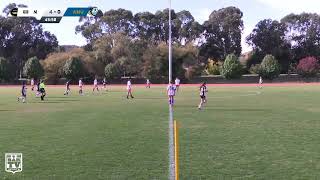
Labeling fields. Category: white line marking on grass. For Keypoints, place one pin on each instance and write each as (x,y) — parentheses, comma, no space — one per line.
(171,145)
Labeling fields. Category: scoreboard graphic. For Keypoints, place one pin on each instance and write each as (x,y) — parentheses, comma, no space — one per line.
(53,15)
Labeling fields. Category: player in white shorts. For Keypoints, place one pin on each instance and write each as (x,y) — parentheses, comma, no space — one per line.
(80,87)
(32,84)
(203,95)
(260,82)
(177,83)
(95,85)
(129,89)
(148,84)
(171,92)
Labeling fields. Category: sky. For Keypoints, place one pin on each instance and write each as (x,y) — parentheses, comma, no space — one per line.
(253,12)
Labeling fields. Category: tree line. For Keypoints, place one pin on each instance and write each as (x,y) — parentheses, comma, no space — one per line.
(120,43)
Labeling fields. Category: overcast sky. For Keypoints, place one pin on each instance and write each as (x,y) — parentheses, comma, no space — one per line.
(253,10)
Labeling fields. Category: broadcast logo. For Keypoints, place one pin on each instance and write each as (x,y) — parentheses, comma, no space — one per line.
(93,11)
(14,12)
(13,162)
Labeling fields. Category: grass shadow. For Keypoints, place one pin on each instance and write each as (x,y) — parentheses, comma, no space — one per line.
(226,109)
(150,98)
(6,110)
(238,109)
(53,102)
(66,100)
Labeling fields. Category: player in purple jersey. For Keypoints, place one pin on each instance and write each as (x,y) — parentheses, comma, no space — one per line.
(171,92)
(23,96)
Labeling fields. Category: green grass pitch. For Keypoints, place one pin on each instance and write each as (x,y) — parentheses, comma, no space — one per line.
(240,134)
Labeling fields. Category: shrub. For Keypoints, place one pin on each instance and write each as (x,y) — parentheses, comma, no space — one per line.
(54,63)
(33,69)
(255,69)
(193,71)
(292,68)
(113,70)
(308,67)
(73,68)
(270,68)
(231,68)
(213,67)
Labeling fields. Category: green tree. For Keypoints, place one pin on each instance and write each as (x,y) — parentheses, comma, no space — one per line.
(222,33)
(162,21)
(213,67)
(268,37)
(145,26)
(155,62)
(193,71)
(102,49)
(5,69)
(119,20)
(231,68)
(303,32)
(73,68)
(255,69)
(189,30)
(122,49)
(33,69)
(111,22)
(113,71)
(270,68)
(22,38)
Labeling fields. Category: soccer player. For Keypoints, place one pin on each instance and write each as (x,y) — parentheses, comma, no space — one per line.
(148,83)
(260,82)
(129,89)
(68,90)
(32,84)
(171,92)
(95,85)
(80,86)
(203,98)
(38,89)
(23,96)
(177,83)
(42,90)
(104,82)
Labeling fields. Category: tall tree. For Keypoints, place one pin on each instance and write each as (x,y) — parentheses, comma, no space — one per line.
(119,20)
(303,31)
(110,22)
(162,28)
(189,29)
(22,38)
(73,68)
(5,69)
(268,37)
(222,33)
(145,26)
(122,49)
